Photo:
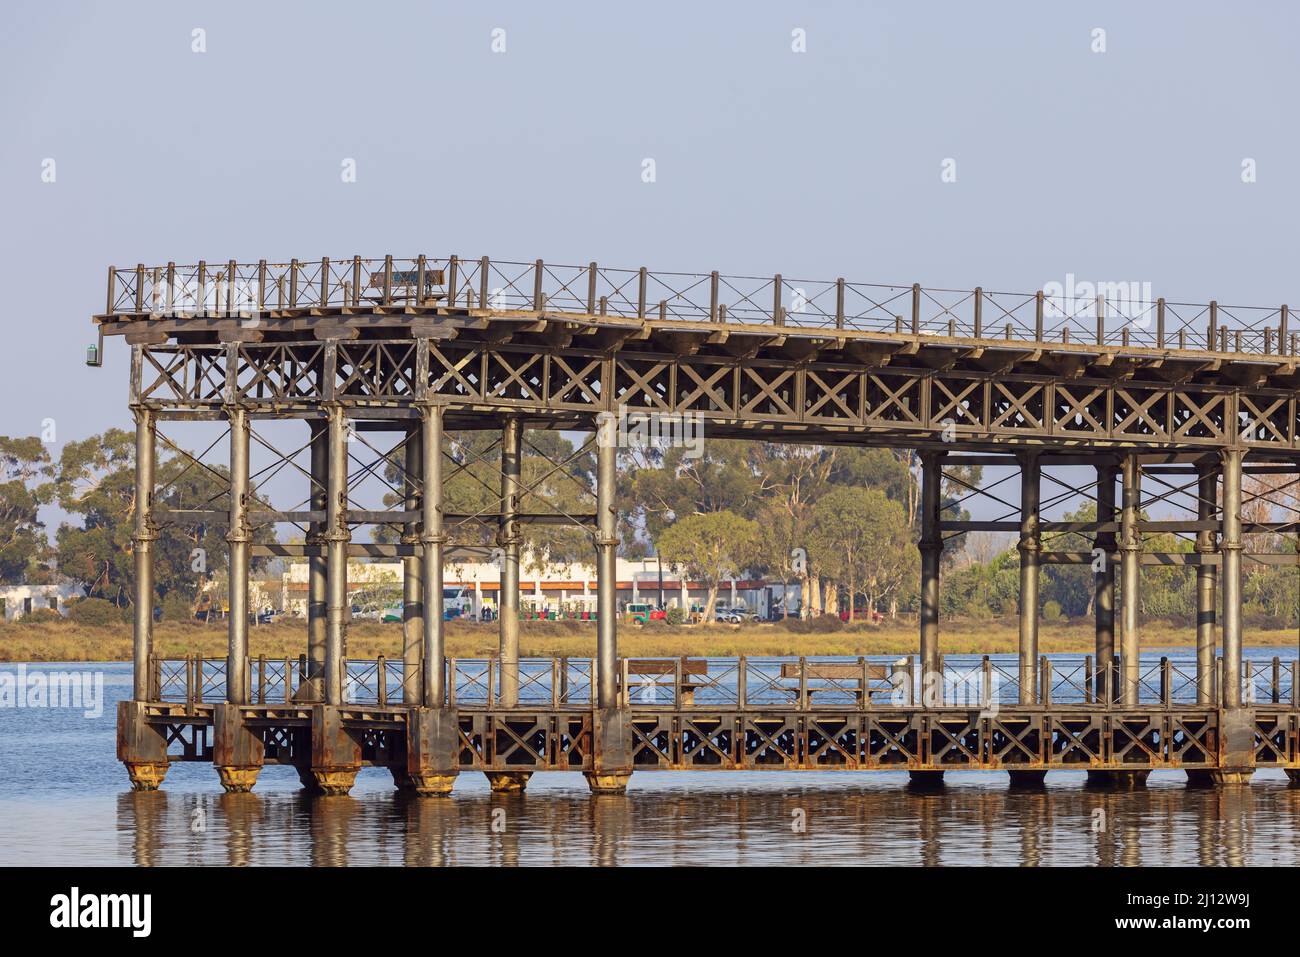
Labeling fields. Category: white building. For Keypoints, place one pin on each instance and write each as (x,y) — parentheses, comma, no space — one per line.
(19,600)
(561,588)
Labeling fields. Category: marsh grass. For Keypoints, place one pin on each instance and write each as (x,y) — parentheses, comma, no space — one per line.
(69,641)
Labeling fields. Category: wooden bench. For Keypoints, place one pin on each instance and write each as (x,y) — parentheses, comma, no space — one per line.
(404,285)
(847,678)
(655,667)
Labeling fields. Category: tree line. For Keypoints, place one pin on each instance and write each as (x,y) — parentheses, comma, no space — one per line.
(840,524)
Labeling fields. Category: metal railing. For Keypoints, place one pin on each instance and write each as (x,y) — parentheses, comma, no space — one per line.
(1123,319)
(801,684)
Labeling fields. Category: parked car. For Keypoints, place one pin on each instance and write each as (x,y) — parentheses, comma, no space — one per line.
(731,616)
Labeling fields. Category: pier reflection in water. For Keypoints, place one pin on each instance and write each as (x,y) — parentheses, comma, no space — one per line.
(724,819)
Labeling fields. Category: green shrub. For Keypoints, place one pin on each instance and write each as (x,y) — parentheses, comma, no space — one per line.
(820,624)
(176,607)
(96,611)
(675,615)
(38,615)
(1051,611)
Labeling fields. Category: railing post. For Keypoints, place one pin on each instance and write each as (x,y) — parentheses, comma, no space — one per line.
(139,288)
(839,303)
(1038,316)
(1089,695)
(356,281)
(388,280)
(484,268)
(1212,335)
(261,679)
(916,308)
(776,299)
(1160,323)
(381,681)
(640,296)
(713,296)
(1283,317)
(538,270)
(803,683)
(979,312)
(1166,682)
(293,284)
(1099,311)
(986,682)
(453,279)
(591,288)
(421,271)
(324,281)
(1277,679)
(111,306)
(1045,668)
(742,683)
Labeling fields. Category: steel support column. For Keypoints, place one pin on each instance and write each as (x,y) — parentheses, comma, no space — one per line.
(1206,584)
(1231,549)
(606,564)
(412,572)
(239,540)
(142,540)
(1030,547)
(508,540)
(337,537)
(931,547)
(1130,570)
(317,575)
(1104,583)
(434,539)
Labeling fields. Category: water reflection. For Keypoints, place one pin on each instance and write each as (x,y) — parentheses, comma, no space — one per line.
(757,820)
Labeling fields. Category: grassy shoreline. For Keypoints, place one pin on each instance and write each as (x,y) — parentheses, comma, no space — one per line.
(69,641)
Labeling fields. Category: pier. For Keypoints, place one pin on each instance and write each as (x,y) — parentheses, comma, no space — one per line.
(391,355)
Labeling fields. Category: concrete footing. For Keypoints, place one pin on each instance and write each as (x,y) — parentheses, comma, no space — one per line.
(237,780)
(423,784)
(1293,775)
(1129,780)
(615,783)
(146,775)
(335,782)
(1027,780)
(508,782)
(925,780)
(1232,776)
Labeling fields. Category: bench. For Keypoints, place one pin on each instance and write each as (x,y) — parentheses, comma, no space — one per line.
(404,285)
(656,667)
(845,678)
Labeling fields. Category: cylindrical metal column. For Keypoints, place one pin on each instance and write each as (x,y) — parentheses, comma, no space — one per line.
(1104,583)
(1206,582)
(412,573)
(337,537)
(1029,547)
(1130,547)
(508,540)
(433,538)
(1231,548)
(606,563)
(317,586)
(142,544)
(931,547)
(238,539)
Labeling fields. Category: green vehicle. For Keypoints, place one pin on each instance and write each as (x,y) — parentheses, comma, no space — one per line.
(638,614)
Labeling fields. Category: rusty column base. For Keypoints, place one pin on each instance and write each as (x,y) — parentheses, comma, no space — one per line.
(146,775)
(140,746)
(423,785)
(607,783)
(1232,776)
(333,782)
(1027,780)
(237,780)
(508,782)
(335,753)
(1130,780)
(925,780)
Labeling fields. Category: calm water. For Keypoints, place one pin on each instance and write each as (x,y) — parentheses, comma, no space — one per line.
(64,800)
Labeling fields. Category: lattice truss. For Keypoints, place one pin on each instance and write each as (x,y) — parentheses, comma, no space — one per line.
(553,502)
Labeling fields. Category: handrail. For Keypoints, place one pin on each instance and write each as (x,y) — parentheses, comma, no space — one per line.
(1122,315)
